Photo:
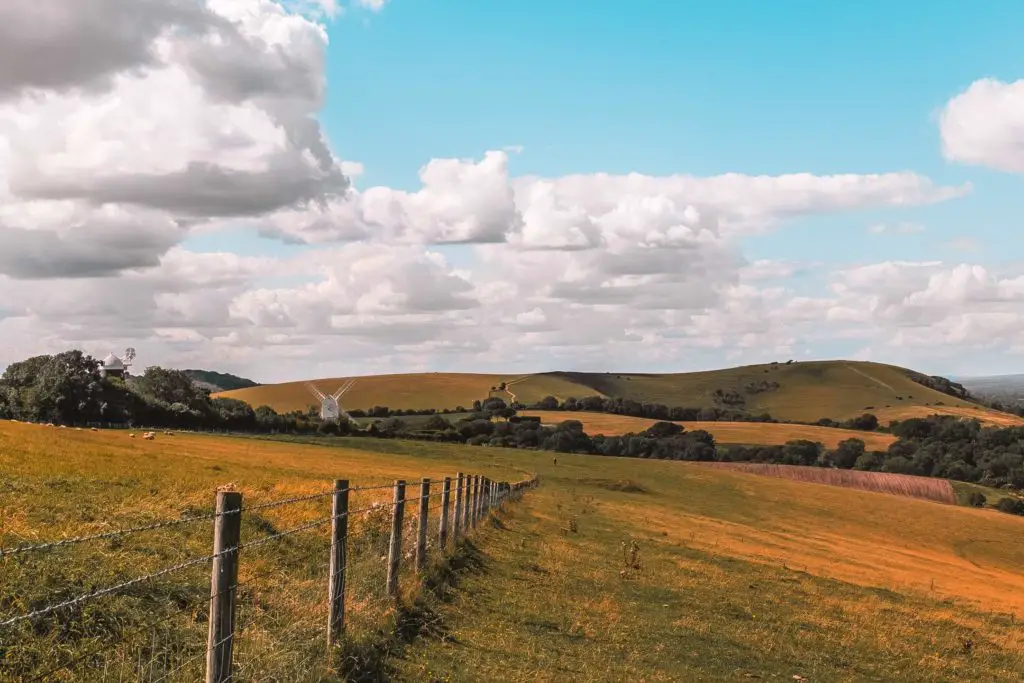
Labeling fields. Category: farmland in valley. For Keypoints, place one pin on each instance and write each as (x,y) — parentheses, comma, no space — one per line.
(766,433)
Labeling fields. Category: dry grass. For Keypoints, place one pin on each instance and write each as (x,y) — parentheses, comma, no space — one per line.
(408,391)
(761,433)
(807,391)
(741,577)
(61,483)
(739,573)
(896,543)
(925,488)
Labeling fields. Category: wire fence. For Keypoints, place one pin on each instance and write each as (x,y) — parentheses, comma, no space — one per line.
(288,590)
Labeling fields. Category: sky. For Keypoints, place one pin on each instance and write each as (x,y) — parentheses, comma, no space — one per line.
(313,188)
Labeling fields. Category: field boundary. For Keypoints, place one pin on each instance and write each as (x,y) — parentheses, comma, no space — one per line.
(906,485)
(465,500)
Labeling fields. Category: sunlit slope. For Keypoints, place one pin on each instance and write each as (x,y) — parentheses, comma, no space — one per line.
(740,572)
(807,391)
(746,433)
(423,390)
(741,577)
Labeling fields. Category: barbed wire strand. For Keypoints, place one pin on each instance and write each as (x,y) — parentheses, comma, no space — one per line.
(50,545)
(105,535)
(183,565)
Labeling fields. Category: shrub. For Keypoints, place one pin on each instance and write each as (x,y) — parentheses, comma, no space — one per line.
(977,499)
(1012,506)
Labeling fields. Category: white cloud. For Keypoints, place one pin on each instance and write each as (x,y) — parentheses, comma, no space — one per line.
(896,229)
(185,116)
(125,133)
(372,5)
(984,125)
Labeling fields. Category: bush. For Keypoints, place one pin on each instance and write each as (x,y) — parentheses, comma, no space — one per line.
(1013,506)
(977,500)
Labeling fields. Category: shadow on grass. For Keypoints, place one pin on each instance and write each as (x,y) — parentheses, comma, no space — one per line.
(368,662)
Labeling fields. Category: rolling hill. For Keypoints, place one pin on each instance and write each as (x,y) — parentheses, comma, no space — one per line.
(805,391)
(219,381)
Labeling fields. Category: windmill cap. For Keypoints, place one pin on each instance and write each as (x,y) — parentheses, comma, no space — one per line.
(112,362)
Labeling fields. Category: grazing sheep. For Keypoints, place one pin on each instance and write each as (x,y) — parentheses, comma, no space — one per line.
(131,436)
(149,436)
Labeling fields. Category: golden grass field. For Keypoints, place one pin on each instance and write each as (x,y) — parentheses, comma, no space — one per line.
(762,433)
(808,391)
(741,573)
(984,415)
(741,577)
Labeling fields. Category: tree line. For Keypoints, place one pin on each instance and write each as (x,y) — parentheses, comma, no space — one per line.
(68,388)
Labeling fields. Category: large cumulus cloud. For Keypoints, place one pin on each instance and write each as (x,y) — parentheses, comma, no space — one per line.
(171,116)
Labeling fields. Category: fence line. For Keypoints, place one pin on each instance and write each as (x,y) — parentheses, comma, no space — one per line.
(474,497)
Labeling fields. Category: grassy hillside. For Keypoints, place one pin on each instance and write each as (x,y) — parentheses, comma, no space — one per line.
(219,381)
(748,433)
(805,392)
(428,390)
(739,575)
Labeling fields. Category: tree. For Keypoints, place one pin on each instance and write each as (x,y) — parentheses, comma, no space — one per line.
(436,423)
(548,403)
(661,430)
(801,452)
(865,423)
(493,404)
(172,386)
(847,453)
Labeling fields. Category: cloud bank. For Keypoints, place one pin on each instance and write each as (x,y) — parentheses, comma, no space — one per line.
(173,117)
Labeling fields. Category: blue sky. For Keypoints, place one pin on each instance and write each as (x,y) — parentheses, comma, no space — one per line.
(683,87)
(701,88)
(767,141)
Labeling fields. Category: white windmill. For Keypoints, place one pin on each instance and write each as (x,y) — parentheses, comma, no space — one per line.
(330,408)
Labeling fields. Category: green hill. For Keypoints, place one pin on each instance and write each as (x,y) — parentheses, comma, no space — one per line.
(803,391)
(219,381)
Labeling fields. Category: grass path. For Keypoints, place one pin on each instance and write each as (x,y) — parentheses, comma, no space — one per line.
(543,605)
(873,379)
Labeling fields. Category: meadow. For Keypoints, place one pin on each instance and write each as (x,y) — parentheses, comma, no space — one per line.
(806,391)
(735,575)
(760,433)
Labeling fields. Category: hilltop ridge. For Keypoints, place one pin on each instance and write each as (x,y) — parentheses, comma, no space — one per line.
(799,391)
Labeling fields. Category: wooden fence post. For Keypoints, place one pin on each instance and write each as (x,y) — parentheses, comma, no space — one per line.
(460,483)
(485,504)
(339,539)
(227,533)
(468,499)
(446,495)
(421,531)
(476,501)
(395,550)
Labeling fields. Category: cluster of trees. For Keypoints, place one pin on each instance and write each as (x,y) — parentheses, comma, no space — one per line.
(657,411)
(663,440)
(68,388)
(651,411)
(937,446)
